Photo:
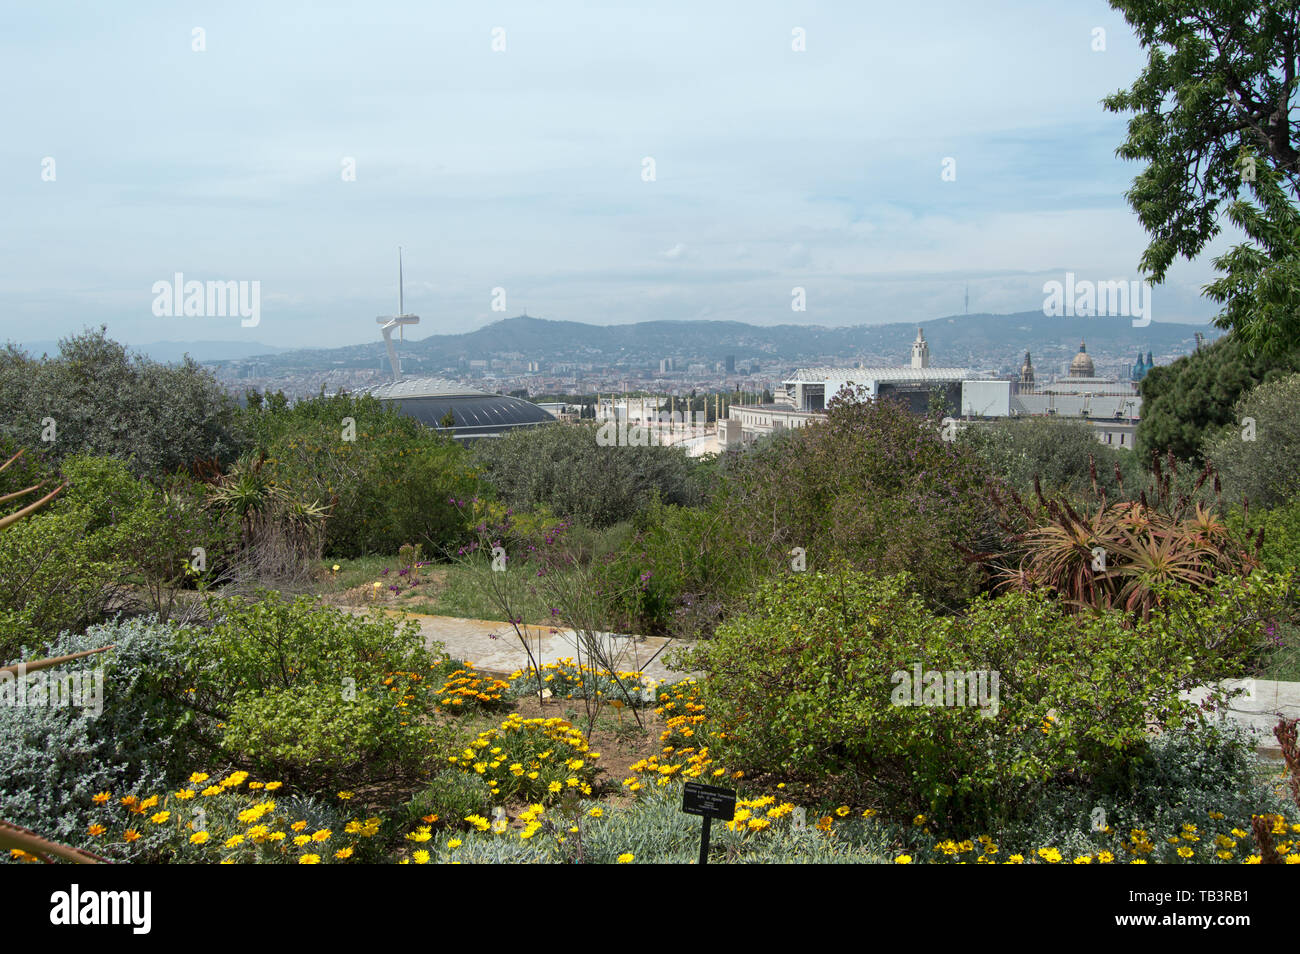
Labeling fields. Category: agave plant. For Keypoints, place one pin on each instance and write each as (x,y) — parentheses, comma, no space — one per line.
(1122,554)
(15,837)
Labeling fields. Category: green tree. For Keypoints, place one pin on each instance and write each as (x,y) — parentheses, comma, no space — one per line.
(1258,454)
(1183,401)
(1213,119)
(94,398)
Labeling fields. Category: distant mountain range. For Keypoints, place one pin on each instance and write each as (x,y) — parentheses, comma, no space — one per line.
(961,340)
(976,341)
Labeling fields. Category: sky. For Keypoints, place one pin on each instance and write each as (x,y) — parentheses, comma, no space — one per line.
(508,148)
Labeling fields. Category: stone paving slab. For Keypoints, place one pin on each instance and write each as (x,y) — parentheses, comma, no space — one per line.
(1259,708)
(493,645)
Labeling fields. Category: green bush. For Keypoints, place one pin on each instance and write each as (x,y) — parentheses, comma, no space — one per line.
(451,796)
(811,684)
(107,403)
(1261,464)
(394,483)
(276,643)
(874,486)
(326,735)
(55,759)
(568,471)
(1062,454)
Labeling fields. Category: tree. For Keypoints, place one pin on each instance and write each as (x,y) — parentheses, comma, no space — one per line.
(1183,401)
(1258,454)
(95,398)
(1213,119)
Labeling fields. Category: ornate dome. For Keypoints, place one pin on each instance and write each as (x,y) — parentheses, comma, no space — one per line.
(1081,366)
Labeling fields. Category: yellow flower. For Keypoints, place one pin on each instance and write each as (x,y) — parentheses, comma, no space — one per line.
(213,790)
(421,857)
(199,838)
(343,853)
(185,794)
(298,826)
(309,860)
(101,798)
(234,840)
(322,835)
(345,795)
(272,786)
(903,860)
(131,835)
(160,817)
(198,777)
(842,811)
(454,843)
(97,829)
(625,859)
(596,812)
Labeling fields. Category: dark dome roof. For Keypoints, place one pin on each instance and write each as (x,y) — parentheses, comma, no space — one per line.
(476,413)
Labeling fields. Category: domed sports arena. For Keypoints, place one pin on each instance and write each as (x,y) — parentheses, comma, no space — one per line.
(476,413)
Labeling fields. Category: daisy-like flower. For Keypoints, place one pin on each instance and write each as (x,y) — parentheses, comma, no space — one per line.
(199,838)
(309,860)
(161,817)
(101,798)
(97,829)
(626,858)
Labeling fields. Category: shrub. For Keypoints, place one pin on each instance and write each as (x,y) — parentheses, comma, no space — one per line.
(326,736)
(567,470)
(275,643)
(874,486)
(449,798)
(106,403)
(807,685)
(1261,464)
(393,483)
(1062,454)
(55,760)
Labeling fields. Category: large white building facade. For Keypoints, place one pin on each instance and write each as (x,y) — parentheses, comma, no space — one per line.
(1113,407)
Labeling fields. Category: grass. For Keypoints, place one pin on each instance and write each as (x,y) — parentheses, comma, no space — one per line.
(468,590)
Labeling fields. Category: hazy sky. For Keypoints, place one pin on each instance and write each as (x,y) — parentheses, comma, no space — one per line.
(523,169)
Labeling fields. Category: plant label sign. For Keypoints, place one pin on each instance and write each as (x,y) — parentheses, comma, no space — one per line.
(710,802)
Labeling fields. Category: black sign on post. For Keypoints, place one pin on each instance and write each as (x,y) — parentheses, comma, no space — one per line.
(711,802)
